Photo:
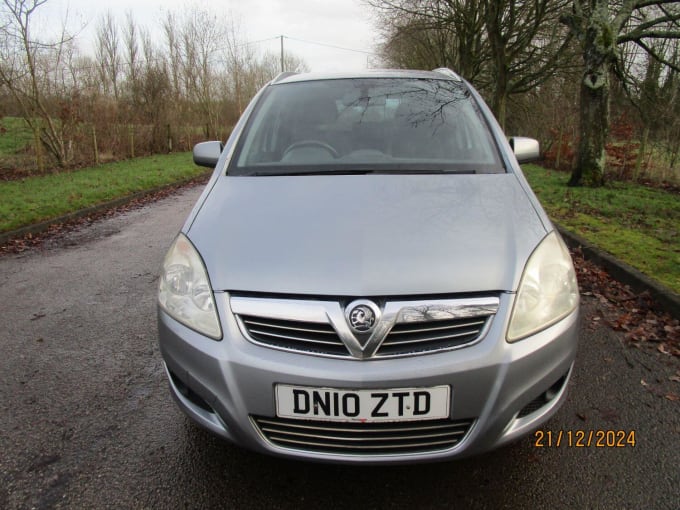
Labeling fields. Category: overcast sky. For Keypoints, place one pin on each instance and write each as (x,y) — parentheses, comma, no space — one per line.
(343,23)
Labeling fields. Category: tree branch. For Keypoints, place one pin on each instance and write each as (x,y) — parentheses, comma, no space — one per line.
(657,57)
(648,3)
(656,21)
(651,34)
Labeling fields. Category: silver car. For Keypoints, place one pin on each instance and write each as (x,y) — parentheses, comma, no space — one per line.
(367,277)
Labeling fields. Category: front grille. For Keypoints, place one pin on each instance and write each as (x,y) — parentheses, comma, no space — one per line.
(403,328)
(363,438)
(418,337)
(315,337)
(403,338)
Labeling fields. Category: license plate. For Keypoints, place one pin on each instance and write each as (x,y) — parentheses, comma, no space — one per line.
(373,405)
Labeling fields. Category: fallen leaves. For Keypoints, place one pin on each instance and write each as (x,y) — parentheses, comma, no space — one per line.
(634,314)
(664,349)
(661,390)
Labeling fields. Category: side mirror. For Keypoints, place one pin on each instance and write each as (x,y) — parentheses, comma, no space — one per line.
(207,153)
(525,149)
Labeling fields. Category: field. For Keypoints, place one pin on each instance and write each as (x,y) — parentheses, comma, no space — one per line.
(15,135)
(637,224)
(35,199)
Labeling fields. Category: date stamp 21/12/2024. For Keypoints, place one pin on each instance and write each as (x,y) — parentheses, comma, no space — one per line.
(584,438)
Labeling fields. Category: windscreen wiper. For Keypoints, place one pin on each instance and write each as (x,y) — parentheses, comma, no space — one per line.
(277,173)
(399,171)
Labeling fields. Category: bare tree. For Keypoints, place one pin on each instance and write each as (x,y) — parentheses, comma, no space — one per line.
(527,46)
(653,90)
(260,70)
(131,44)
(200,40)
(26,74)
(107,53)
(239,56)
(601,26)
(433,34)
(135,96)
(152,91)
(174,53)
(503,46)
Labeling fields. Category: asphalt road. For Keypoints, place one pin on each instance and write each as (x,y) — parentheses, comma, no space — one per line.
(87,421)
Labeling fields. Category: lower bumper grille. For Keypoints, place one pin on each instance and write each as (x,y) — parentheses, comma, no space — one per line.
(544,398)
(363,438)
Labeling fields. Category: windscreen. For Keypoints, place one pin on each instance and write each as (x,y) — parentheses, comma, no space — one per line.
(379,124)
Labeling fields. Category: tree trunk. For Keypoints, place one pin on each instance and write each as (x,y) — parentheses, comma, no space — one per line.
(558,157)
(594,126)
(494,13)
(675,151)
(39,161)
(500,104)
(599,55)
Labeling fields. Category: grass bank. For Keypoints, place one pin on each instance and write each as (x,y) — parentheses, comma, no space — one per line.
(637,224)
(35,199)
(15,135)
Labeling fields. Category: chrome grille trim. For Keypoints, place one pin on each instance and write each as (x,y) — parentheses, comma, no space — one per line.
(362,438)
(418,329)
(421,339)
(406,328)
(258,332)
(252,322)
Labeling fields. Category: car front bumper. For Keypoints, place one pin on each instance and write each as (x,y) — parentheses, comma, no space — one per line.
(504,390)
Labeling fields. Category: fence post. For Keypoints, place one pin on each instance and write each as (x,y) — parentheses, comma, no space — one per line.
(169,139)
(131,133)
(95,149)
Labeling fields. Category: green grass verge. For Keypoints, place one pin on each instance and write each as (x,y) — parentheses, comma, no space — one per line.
(37,199)
(637,224)
(15,135)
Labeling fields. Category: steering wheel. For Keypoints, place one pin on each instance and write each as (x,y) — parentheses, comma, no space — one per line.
(310,143)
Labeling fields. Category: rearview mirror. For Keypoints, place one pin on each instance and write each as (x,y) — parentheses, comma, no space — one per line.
(525,149)
(207,153)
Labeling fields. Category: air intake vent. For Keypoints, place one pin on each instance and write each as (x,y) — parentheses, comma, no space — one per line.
(544,398)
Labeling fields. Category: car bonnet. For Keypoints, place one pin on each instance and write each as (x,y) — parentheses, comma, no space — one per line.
(367,235)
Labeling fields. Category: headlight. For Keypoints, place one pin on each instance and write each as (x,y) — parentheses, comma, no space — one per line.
(184,291)
(547,292)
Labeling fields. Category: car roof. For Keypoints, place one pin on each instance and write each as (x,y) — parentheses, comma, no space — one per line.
(437,74)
